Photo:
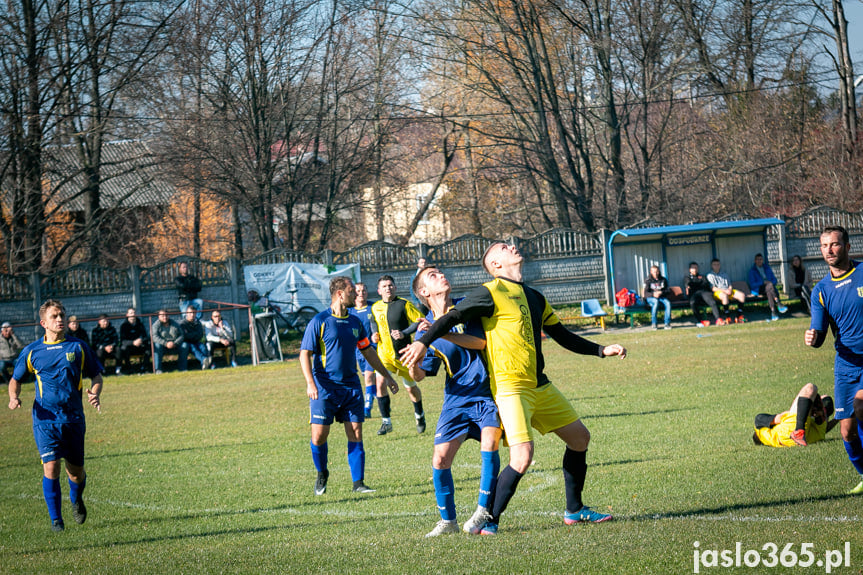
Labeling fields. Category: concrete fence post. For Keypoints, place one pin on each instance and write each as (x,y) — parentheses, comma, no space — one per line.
(234,275)
(135,276)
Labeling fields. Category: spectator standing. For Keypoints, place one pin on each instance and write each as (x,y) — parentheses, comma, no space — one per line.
(699,291)
(193,340)
(74,329)
(10,347)
(188,286)
(800,281)
(762,281)
(656,291)
(167,338)
(221,336)
(724,293)
(134,341)
(105,340)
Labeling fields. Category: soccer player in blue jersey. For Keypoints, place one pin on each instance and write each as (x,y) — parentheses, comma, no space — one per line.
(59,365)
(468,409)
(363,311)
(837,301)
(332,384)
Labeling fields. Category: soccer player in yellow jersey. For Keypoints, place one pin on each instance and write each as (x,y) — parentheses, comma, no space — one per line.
(396,320)
(513,315)
(807,421)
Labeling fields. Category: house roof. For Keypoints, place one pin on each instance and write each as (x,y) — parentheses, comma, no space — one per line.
(131,177)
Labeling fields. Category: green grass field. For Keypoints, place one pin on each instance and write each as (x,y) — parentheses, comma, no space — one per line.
(210,472)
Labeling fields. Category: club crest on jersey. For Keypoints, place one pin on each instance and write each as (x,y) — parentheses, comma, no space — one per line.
(860,292)
(356,332)
(70,356)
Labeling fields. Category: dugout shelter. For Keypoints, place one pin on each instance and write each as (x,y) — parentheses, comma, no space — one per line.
(631,252)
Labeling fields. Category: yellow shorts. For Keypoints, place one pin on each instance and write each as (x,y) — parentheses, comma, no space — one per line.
(732,295)
(396,368)
(544,408)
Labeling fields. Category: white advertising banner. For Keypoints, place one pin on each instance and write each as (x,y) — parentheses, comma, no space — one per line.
(295,284)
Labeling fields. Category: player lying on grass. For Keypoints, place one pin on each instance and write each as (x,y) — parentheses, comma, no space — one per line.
(807,421)
(468,409)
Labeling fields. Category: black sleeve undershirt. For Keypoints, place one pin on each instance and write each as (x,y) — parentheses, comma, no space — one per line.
(572,342)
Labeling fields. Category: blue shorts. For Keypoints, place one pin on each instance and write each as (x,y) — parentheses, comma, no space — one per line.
(338,403)
(848,380)
(362,363)
(466,419)
(60,441)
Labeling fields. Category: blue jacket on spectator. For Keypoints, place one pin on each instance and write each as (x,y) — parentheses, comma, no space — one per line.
(756,281)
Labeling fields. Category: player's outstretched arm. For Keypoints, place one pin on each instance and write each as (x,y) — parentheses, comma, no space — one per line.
(372,357)
(14,392)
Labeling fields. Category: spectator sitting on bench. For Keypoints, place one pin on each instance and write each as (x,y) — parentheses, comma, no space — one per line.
(762,281)
(193,340)
(699,291)
(167,338)
(104,340)
(10,347)
(800,281)
(656,291)
(74,329)
(724,293)
(134,341)
(221,336)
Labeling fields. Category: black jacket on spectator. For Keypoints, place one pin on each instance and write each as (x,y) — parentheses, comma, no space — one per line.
(129,332)
(101,337)
(188,287)
(193,331)
(79,333)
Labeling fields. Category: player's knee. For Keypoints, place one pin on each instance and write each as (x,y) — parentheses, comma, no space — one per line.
(858,408)
(808,390)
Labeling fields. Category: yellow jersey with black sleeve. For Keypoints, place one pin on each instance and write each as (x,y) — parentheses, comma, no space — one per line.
(513,317)
(398,314)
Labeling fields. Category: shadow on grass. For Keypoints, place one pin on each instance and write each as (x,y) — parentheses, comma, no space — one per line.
(175,450)
(629,413)
(724,509)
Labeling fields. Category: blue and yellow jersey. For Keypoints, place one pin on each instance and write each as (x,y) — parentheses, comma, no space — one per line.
(332,340)
(466,374)
(838,302)
(398,314)
(59,368)
(780,434)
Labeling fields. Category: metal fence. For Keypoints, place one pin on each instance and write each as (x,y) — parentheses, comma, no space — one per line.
(568,264)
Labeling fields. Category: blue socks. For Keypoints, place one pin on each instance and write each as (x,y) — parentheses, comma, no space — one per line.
(319,456)
(444,492)
(370,399)
(53,497)
(357,460)
(488,477)
(76,489)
